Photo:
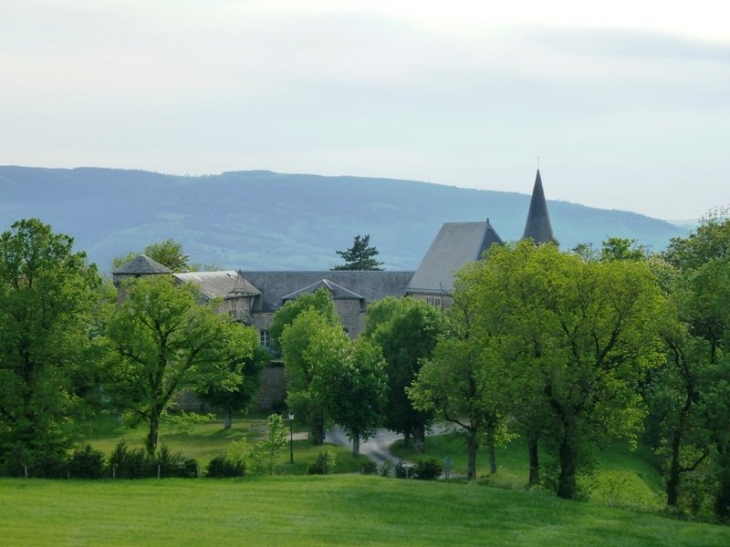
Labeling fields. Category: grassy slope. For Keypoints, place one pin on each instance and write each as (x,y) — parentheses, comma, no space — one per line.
(334,510)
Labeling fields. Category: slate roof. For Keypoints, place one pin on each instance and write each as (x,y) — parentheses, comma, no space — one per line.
(141,265)
(222,284)
(275,287)
(456,244)
(337,291)
(538,225)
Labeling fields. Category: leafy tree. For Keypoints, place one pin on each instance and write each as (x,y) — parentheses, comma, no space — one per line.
(581,336)
(47,298)
(247,369)
(169,253)
(270,453)
(690,397)
(361,256)
(163,341)
(350,382)
(406,329)
(464,382)
(301,365)
(319,301)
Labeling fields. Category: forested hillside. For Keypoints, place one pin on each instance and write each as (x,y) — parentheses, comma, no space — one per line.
(264,220)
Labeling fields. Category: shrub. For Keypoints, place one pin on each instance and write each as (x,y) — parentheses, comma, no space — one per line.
(175,465)
(386,468)
(369,468)
(86,463)
(428,469)
(324,464)
(130,464)
(221,467)
(402,471)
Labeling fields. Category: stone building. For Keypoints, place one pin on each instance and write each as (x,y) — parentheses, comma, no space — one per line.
(252,297)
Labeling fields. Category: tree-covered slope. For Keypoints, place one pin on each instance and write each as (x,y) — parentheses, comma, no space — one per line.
(263,220)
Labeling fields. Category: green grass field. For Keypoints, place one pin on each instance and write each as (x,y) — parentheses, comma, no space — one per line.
(331,510)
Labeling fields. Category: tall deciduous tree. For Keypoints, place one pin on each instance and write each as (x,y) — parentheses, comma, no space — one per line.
(318,301)
(301,363)
(163,341)
(582,336)
(406,329)
(361,256)
(247,368)
(464,382)
(47,294)
(350,383)
(169,253)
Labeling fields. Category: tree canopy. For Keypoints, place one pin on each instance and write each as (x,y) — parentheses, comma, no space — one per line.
(47,298)
(361,256)
(162,340)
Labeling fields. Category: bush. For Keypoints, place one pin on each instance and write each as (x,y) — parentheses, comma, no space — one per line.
(386,468)
(369,468)
(86,463)
(402,471)
(49,464)
(130,464)
(221,467)
(324,464)
(427,470)
(137,464)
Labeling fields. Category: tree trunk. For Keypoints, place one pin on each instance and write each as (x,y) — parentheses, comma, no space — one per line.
(228,420)
(674,471)
(151,444)
(316,436)
(472,444)
(356,445)
(492,455)
(419,439)
(567,487)
(534,478)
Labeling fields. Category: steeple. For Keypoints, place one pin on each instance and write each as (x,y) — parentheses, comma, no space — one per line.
(538,226)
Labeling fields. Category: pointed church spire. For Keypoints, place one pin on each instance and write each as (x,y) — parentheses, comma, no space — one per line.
(538,226)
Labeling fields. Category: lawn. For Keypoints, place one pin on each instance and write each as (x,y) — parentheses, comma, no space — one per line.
(316,510)
(206,441)
(624,477)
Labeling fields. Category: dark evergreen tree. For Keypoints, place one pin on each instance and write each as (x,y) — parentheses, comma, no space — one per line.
(361,256)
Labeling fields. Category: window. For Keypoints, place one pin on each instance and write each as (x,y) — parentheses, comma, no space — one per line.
(434,301)
(264,338)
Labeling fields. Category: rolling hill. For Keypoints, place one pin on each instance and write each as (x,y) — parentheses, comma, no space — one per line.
(268,221)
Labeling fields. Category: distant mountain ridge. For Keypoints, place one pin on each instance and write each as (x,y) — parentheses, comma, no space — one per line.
(261,220)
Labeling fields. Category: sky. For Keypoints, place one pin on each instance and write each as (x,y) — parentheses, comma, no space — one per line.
(626,104)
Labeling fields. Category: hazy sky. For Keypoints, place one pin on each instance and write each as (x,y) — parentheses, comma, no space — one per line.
(627,105)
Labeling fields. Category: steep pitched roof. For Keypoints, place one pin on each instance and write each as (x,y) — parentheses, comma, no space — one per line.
(456,244)
(222,284)
(338,292)
(141,265)
(275,287)
(538,226)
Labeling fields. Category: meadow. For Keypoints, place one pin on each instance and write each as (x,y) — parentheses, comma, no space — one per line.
(293,508)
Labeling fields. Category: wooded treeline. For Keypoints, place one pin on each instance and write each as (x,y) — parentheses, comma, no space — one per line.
(567,349)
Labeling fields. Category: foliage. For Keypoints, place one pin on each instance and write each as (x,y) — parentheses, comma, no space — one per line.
(427,469)
(370,467)
(47,299)
(324,464)
(246,369)
(580,338)
(270,453)
(220,467)
(308,323)
(138,464)
(161,340)
(406,329)
(402,470)
(169,253)
(361,256)
(319,301)
(87,463)
(349,382)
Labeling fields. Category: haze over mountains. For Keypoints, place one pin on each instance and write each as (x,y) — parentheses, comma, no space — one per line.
(260,220)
